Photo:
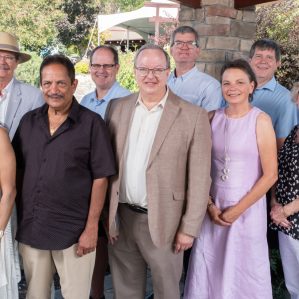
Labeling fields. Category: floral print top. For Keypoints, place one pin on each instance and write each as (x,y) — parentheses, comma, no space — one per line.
(287,189)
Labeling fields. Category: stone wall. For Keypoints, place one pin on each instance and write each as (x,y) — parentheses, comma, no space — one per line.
(225,32)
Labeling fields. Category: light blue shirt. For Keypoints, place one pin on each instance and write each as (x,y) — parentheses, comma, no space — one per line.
(198,88)
(275,100)
(99,106)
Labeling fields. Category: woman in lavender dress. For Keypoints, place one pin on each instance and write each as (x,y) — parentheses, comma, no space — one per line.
(229,259)
(9,266)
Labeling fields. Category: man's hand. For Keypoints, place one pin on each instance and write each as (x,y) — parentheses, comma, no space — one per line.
(182,242)
(112,240)
(87,242)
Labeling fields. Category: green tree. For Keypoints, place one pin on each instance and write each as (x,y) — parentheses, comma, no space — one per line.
(280,22)
(32,21)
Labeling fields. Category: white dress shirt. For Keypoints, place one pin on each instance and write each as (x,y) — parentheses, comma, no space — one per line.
(4,98)
(137,151)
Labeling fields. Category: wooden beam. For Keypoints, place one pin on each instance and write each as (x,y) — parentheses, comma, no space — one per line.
(245,3)
(191,3)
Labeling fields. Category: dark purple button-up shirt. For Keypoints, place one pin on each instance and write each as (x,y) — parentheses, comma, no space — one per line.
(58,173)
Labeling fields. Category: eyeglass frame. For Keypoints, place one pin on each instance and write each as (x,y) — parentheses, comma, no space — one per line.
(105,66)
(8,58)
(148,70)
(189,44)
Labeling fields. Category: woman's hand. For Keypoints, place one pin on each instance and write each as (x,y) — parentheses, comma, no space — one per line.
(231,214)
(214,213)
(279,216)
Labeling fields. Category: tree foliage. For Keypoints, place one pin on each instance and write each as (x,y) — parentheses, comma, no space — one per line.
(280,22)
(32,21)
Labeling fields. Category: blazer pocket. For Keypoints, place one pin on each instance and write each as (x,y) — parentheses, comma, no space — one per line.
(178,195)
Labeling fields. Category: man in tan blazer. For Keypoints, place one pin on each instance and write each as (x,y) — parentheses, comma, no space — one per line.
(158,199)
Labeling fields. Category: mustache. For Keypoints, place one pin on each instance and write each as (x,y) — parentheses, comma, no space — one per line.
(55,96)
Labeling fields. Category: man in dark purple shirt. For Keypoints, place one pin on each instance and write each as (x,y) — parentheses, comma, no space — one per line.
(66,157)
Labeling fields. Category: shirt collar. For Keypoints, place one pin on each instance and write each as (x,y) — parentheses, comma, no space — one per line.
(187,74)
(270,85)
(73,114)
(6,90)
(160,104)
(107,95)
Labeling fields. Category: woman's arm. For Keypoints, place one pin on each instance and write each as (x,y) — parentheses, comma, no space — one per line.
(7,178)
(266,142)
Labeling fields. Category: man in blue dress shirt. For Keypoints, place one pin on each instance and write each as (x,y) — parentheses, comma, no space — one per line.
(270,96)
(186,80)
(104,65)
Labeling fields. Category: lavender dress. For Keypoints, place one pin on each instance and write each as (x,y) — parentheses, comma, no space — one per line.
(232,262)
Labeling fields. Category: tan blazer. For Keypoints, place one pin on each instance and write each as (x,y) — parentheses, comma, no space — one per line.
(178,171)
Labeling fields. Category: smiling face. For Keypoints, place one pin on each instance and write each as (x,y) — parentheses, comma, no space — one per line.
(8,64)
(264,65)
(103,78)
(184,53)
(236,86)
(152,84)
(57,87)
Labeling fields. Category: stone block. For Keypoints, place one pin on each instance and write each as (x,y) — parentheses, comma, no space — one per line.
(246,44)
(243,29)
(240,55)
(214,69)
(217,20)
(199,15)
(212,56)
(186,14)
(208,30)
(221,11)
(249,16)
(202,42)
(201,66)
(223,42)
(239,15)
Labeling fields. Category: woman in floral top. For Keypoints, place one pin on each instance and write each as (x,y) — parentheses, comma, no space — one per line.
(285,211)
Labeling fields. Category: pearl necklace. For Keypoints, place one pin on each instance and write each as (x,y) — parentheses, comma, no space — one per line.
(224,175)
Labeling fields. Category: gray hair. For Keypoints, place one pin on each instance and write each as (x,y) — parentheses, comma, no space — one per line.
(182,30)
(152,47)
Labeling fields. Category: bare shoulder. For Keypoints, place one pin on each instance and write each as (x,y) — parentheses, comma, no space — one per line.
(264,120)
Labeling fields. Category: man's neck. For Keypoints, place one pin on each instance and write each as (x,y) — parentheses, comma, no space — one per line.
(152,100)
(101,92)
(183,68)
(262,81)
(4,82)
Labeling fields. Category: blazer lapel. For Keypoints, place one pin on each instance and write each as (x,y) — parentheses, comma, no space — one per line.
(125,124)
(169,115)
(14,103)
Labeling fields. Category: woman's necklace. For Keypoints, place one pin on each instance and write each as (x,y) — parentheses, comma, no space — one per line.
(224,175)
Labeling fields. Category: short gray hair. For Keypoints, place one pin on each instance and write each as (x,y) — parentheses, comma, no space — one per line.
(182,30)
(152,47)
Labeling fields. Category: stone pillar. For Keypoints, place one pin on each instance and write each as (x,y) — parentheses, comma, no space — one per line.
(225,32)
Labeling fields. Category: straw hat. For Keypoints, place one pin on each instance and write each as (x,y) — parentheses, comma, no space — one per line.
(9,42)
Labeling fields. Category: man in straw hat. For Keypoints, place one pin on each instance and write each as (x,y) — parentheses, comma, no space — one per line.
(16,98)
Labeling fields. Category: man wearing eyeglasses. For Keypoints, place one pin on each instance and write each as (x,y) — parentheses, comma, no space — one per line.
(158,199)
(103,67)
(186,80)
(16,98)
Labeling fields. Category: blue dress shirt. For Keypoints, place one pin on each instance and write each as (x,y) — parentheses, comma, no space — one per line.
(198,88)
(99,106)
(275,100)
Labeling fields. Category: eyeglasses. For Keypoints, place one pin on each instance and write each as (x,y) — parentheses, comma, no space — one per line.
(7,58)
(106,67)
(144,71)
(180,44)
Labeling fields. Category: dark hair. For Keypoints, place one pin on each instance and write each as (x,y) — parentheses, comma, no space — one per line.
(110,48)
(58,59)
(184,29)
(153,47)
(244,66)
(265,44)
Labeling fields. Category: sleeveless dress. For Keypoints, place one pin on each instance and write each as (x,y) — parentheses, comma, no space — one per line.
(10,273)
(232,262)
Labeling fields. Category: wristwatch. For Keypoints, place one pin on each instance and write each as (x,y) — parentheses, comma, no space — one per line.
(1,234)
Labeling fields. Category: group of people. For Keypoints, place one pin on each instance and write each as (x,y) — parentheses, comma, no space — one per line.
(185,162)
